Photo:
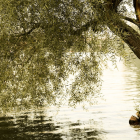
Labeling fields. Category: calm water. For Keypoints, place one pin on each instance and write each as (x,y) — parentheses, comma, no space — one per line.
(107,120)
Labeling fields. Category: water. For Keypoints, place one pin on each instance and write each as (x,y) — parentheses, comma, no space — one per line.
(107,120)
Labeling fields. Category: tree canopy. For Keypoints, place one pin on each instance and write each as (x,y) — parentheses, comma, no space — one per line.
(43,42)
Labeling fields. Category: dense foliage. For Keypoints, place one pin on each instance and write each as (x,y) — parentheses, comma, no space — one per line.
(43,42)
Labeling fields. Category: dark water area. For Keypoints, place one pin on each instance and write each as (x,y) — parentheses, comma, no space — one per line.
(23,127)
(106,120)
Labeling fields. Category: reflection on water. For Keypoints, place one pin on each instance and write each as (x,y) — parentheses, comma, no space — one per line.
(108,120)
(37,125)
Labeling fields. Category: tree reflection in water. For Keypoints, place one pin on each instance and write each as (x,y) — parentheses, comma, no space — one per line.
(40,127)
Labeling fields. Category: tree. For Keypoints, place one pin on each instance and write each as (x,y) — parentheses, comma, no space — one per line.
(44,41)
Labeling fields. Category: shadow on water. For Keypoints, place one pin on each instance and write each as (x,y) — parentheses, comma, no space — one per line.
(41,127)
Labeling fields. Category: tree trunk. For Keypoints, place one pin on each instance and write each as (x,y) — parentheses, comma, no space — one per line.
(128,34)
(124,31)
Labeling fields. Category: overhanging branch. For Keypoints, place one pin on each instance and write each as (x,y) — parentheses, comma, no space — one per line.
(131,37)
(83,28)
(134,21)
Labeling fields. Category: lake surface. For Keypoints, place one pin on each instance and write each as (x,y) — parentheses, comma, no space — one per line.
(106,120)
